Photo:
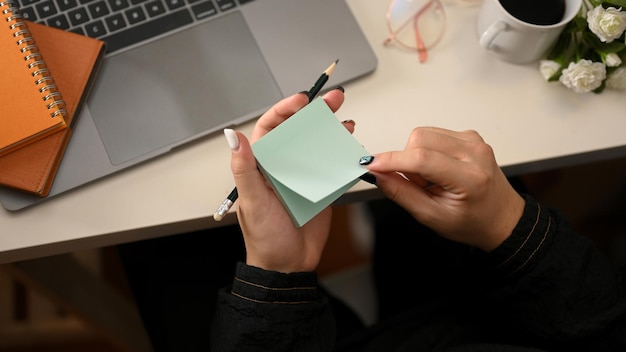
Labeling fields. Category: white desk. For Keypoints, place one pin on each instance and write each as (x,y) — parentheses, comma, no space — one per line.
(525,119)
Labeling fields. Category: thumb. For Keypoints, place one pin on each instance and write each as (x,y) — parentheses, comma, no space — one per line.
(243,166)
(404,192)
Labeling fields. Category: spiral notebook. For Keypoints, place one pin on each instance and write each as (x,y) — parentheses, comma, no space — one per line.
(73,60)
(32,106)
(180,70)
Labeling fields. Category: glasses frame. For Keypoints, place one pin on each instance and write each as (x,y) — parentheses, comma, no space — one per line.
(422,49)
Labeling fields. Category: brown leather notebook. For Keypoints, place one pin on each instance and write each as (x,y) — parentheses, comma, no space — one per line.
(74,61)
(32,108)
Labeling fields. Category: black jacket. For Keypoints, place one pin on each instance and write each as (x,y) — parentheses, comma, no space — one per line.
(546,288)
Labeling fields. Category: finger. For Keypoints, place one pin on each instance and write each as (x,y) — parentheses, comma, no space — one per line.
(417,178)
(422,165)
(334,98)
(349,125)
(278,113)
(415,199)
(282,110)
(455,144)
(243,165)
(468,135)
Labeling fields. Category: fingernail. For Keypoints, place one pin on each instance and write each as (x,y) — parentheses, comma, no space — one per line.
(349,121)
(231,138)
(366,160)
(340,88)
(304,92)
(369,178)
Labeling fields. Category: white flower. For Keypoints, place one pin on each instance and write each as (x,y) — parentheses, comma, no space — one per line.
(617,79)
(548,68)
(608,24)
(583,76)
(612,60)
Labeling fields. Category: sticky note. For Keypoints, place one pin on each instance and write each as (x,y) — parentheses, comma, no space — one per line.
(310,160)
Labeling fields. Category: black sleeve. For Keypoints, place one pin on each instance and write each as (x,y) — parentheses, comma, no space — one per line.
(271,311)
(550,284)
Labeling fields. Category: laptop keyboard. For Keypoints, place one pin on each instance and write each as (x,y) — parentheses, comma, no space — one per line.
(121,23)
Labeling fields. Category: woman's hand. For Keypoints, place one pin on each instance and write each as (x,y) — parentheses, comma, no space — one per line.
(450,182)
(272,241)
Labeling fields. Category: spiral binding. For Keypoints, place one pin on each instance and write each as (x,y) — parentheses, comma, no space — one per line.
(33,59)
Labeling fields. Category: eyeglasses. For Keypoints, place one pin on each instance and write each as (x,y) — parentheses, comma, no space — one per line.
(416,24)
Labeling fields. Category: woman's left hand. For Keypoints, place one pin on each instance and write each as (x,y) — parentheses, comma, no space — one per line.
(272,240)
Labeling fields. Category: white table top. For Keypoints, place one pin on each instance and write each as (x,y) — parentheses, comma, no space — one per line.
(531,125)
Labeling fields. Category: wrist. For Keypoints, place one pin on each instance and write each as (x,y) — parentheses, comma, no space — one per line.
(284,268)
(505,224)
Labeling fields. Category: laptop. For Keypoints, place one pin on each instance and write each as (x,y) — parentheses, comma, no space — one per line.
(180,70)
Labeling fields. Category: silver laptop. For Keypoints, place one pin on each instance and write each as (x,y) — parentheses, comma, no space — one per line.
(180,70)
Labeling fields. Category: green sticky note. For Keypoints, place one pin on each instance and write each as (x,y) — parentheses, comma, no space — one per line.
(310,160)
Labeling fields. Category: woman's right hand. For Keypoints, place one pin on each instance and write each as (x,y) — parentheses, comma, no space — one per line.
(450,181)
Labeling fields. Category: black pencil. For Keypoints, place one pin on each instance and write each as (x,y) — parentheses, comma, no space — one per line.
(311,93)
(319,84)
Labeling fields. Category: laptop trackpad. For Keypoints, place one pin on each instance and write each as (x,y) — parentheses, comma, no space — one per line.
(193,83)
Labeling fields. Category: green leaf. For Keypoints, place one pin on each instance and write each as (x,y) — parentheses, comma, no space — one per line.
(560,48)
(614,47)
(555,76)
(595,3)
(600,46)
(594,56)
(578,24)
(610,70)
(614,3)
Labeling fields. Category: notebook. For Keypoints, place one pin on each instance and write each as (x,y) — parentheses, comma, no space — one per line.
(169,84)
(302,174)
(74,61)
(32,106)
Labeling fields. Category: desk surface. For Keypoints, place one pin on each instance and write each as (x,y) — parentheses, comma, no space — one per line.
(531,125)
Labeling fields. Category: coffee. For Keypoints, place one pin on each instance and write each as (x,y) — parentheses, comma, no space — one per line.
(540,12)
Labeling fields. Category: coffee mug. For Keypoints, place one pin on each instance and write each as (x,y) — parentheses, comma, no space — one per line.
(522,31)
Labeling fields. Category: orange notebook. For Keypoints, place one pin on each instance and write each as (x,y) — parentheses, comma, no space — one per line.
(74,61)
(32,108)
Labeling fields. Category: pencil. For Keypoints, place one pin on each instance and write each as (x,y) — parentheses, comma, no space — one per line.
(319,84)
(311,94)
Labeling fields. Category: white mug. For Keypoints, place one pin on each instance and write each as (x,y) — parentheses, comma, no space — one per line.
(515,40)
